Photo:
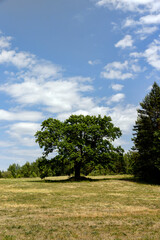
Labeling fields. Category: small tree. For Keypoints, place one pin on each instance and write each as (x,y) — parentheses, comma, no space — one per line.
(14,169)
(81,142)
(129,161)
(147,137)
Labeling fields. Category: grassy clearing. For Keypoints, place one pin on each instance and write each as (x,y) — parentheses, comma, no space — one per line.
(107,208)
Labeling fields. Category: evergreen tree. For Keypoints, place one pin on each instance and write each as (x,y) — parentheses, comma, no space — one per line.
(147,137)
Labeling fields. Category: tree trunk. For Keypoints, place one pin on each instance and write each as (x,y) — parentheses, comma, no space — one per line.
(77,167)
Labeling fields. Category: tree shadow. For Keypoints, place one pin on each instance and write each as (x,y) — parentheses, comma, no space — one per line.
(140,181)
(71,180)
(89,179)
(82,179)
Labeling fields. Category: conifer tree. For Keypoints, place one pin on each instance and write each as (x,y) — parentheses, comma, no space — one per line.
(147,137)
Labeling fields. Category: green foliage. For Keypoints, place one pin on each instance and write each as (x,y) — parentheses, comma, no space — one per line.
(129,161)
(6,174)
(81,142)
(147,137)
(14,169)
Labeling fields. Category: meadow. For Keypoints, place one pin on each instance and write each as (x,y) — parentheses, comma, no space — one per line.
(108,207)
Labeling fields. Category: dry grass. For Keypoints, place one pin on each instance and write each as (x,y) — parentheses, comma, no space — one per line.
(107,208)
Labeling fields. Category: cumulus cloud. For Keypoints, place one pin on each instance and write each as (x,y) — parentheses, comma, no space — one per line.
(55,96)
(117,70)
(127,41)
(116,98)
(21,154)
(150,19)
(24,128)
(6,144)
(132,5)
(144,20)
(5,42)
(124,117)
(94,62)
(130,22)
(20,59)
(151,54)
(40,82)
(26,61)
(91,110)
(23,132)
(37,68)
(145,31)
(21,115)
(117,87)
(148,14)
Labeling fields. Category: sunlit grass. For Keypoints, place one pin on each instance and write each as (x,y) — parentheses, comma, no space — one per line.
(111,207)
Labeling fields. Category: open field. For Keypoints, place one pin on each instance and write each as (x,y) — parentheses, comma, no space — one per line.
(107,208)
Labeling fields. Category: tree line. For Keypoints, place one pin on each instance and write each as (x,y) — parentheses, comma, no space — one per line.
(84,145)
(47,168)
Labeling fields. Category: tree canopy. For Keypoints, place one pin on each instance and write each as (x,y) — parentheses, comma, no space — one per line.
(80,142)
(147,137)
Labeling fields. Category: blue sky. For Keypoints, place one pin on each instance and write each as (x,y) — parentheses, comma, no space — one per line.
(73,57)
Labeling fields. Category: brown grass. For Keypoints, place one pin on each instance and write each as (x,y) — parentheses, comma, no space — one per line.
(107,208)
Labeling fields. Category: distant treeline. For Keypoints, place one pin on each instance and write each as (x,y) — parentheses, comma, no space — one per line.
(45,168)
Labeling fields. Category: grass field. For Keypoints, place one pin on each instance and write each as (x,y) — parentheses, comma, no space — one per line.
(107,208)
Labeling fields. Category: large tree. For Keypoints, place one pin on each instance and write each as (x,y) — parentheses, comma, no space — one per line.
(147,137)
(81,142)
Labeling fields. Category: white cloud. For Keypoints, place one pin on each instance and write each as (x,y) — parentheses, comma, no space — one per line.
(152,54)
(127,41)
(136,54)
(130,22)
(30,155)
(115,74)
(19,60)
(148,13)
(150,19)
(95,62)
(145,31)
(55,96)
(91,110)
(117,87)
(131,5)
(124,117)
(117,70)
(6,144)
(135,68)
(33,66)
(40,82)
(118,65)
(144,25)
(120,142)
(5,42)
(20,116)
(24,128)
(149,88)
(23,133)
(116,98)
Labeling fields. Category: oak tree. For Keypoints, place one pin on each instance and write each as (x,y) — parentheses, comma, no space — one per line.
(80,142)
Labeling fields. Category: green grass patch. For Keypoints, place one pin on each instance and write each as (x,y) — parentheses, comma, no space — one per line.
(106,207)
